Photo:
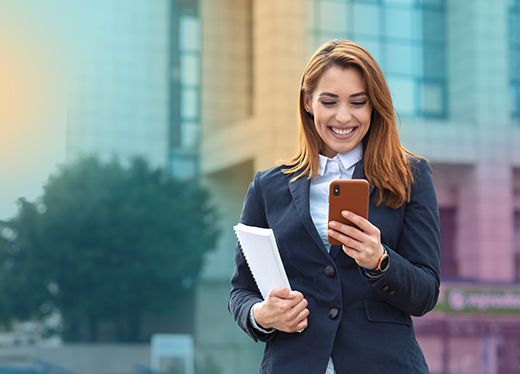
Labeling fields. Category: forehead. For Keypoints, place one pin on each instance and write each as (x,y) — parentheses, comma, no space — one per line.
(339,80)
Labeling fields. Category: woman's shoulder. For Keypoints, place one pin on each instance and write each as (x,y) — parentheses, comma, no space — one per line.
(419,165)
(422,173)
(271,180)
(271,175)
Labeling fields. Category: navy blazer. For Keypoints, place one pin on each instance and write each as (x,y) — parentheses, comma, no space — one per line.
(372,330)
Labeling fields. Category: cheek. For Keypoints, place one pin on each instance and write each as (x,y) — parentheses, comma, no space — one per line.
(367,117)
(317,125)
(322,117)
(318,119)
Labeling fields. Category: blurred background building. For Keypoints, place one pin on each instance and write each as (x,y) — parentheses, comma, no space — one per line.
(136,92)
(132,72)
(137,85)
(452,67)
(208,89)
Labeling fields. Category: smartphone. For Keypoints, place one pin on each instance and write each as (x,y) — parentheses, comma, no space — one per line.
(347,194)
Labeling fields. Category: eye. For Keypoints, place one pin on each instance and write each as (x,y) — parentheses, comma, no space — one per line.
(328,103)
(359,103)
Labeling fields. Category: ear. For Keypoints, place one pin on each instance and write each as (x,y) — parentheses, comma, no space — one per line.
(307,102)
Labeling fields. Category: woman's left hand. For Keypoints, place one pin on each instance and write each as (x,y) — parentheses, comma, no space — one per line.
(364,245)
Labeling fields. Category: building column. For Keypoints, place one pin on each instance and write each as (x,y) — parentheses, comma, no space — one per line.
(478,78)
(279,58)
(253,55)
(485,218)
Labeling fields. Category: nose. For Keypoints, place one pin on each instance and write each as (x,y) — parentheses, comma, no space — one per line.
(343,114)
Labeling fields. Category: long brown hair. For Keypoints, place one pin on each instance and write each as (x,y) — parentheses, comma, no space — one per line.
(386,161)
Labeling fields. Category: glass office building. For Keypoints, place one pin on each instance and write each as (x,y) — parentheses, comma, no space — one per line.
(118,105)
(137,84)
(407,38)
(184,78)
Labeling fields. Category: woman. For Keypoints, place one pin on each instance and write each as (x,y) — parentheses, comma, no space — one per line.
(350,307)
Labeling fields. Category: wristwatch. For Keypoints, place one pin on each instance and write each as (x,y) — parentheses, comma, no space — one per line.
(382,264)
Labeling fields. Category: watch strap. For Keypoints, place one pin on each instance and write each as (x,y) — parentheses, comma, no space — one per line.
(378,270)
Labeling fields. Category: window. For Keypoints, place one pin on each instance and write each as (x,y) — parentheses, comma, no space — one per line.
(449,266)
(514,55)
(406,37)
(516,241)
(185,73)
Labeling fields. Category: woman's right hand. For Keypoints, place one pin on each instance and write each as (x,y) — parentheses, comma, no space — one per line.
(283,309)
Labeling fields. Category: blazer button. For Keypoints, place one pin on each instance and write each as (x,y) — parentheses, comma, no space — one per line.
(333,313)
(330,271)
(391,293)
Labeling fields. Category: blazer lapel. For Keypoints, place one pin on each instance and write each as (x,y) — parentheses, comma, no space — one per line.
(359,173)
(300,190)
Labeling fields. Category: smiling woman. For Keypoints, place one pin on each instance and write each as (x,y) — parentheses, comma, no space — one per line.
(341,110)
(351,304)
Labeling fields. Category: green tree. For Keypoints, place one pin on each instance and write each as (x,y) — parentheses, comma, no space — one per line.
(104,243)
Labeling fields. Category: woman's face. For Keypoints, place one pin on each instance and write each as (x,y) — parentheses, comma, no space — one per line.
(341,110)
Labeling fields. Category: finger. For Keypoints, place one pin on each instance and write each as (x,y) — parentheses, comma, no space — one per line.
(368,238)
(361,257)
(299,308)
(303,314)
(293,313)
(300,322)
(349,230)
(302,325)
(359,221)
(358,256)
(283,293)
(343,238)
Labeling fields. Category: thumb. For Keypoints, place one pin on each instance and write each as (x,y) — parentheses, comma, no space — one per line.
(282,293)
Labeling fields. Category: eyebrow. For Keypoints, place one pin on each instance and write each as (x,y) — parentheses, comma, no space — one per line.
(362,93)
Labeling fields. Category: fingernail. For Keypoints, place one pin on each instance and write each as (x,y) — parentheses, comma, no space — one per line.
(332,224)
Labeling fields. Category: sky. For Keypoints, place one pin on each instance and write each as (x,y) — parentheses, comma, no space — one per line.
(37,57)
(45,46)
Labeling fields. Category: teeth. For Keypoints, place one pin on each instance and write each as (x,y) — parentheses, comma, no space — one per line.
(342,132)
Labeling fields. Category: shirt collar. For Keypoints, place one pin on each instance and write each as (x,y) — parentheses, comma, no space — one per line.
(348,159)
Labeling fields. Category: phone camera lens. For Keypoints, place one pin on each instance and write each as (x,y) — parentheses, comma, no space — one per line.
(335,190)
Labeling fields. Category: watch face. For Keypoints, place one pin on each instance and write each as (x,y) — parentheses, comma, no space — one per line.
(385,261)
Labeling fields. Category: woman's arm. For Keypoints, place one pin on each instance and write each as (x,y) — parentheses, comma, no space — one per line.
(283,309)
(244,292)
(411,282)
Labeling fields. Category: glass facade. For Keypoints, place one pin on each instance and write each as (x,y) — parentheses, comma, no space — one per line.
(184,89)
(406,37)
(118,98)
(514,55)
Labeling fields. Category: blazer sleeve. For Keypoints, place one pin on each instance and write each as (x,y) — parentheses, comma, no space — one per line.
(411,283)
(244,291)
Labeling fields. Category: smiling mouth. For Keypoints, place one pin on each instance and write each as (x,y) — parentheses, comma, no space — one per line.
(342,131)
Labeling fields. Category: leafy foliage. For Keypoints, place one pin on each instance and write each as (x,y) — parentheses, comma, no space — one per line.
(104,243)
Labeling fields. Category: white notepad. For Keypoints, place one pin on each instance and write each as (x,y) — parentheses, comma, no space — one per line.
(261,252)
